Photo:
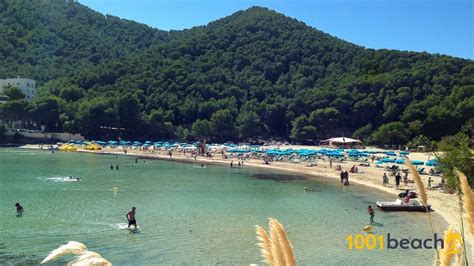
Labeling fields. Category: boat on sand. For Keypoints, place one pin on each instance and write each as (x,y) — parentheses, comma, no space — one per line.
(403,205)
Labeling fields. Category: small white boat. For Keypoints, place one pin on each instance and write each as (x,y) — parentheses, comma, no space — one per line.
(413,205)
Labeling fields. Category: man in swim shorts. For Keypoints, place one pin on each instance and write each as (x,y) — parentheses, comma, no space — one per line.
(131,217)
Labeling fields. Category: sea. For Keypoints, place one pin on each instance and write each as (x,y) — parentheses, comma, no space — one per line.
(188,214)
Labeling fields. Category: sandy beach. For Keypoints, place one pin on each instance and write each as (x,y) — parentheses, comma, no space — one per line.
(444,204)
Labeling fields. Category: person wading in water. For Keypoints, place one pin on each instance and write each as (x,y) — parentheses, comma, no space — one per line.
(19,209)
(371,213)
(131,217)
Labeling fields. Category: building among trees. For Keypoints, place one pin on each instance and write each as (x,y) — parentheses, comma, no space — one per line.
(26,85)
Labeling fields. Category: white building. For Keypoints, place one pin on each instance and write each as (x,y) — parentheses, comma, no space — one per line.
(26,85)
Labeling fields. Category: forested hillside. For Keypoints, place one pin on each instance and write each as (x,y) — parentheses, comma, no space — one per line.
(253,74)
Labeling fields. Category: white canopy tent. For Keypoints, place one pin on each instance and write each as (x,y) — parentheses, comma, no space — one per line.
(342,141)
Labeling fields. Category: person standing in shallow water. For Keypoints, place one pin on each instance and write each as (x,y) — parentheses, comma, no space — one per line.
(131,218)
(19,209)
(371,213)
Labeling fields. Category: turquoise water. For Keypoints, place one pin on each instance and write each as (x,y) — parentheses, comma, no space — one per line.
(187,214)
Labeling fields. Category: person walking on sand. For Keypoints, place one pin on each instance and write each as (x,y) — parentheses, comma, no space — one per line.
(429,182)
(385,179)
(405,179)
(330,162)
(371,213)
(131,218)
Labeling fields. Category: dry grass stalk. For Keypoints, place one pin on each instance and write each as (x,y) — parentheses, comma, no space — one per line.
(265,245)
(275,246)
(72,247)
(284,242)
(467,200)
(447,257)
(91,261)
(277,249)
(422,195)
(84,257)
(419,184)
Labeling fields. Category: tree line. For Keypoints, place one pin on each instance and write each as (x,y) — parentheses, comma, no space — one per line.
(255,74)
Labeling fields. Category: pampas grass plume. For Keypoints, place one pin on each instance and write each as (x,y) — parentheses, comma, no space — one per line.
(71,247)
(467,200)
(419,184)
(91,262)
(284,242)
(446,258)
(265,245)
(84,257)
(275,246)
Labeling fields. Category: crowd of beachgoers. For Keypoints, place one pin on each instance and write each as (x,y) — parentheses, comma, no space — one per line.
(376,168)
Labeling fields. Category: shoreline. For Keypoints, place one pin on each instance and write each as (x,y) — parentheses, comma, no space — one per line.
(443,204)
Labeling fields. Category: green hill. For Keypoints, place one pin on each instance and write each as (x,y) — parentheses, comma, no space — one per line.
(254,73)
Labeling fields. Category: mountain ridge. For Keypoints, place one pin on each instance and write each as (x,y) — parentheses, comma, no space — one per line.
(253,73)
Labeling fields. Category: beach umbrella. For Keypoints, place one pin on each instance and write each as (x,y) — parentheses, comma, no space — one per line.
(417,162)
(400,161)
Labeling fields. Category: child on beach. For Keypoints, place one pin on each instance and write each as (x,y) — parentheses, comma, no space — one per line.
(371,213)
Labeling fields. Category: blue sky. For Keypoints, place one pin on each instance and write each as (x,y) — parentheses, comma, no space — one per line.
(434,26)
